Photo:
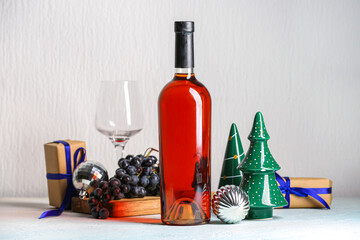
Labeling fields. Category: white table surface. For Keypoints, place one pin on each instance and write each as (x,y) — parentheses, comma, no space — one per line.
(19,220)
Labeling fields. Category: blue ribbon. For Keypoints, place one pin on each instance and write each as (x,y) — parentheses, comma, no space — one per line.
(301,192)
(70,190)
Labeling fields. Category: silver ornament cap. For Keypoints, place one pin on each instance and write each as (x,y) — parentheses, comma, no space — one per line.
(230,204)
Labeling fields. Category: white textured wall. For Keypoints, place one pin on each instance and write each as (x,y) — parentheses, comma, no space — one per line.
(296,61)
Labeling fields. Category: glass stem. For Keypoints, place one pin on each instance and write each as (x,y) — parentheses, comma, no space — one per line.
(119,149)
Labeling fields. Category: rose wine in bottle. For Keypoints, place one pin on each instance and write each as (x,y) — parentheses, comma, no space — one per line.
(184,133)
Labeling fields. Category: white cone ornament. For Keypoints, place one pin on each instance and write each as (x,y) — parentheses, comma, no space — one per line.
(230,204)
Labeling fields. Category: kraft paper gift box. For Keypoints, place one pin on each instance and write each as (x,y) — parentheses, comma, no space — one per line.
(319,188)
(55,159)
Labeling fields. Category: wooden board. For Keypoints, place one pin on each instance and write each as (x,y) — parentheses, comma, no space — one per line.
(122,208)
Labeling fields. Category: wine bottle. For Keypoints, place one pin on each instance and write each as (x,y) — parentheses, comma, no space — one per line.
(184,109)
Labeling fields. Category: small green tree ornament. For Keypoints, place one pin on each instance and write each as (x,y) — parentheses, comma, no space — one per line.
(234,154)
(258,174)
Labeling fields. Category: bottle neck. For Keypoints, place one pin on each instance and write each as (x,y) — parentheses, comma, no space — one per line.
(184,50)
(184,73)
(184,70)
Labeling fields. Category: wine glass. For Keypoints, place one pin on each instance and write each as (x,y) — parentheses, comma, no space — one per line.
(119,113)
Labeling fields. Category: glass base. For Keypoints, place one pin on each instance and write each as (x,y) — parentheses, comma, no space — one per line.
(185,222)
(185,211)
(260,213)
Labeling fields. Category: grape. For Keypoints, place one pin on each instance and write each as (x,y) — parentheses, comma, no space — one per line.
(148,162)
(142,192)
(124,163)
(119,196)
(104,185)
(153,158)
(92,201)
(131,170)
(125,188)
(97,193)
(136,162)
(115,191)
(104,213)
(135,191)
(140,156)
(151,188)
(105,197)
(154,179)
(115,183)
(126,178)
(120,160)
(112,178)
(134,180)
(146,170)
(95,212)
(120,172)
(144,181)
(129,157)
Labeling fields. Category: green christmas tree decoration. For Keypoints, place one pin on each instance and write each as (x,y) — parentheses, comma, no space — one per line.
(258,169)
(234,154)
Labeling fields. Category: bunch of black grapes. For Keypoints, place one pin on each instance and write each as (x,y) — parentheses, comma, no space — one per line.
(136,177)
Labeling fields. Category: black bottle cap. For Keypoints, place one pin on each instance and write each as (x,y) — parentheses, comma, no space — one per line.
(184,26)
(184,44)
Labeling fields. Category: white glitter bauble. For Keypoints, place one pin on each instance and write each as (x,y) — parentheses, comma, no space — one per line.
(230,204)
